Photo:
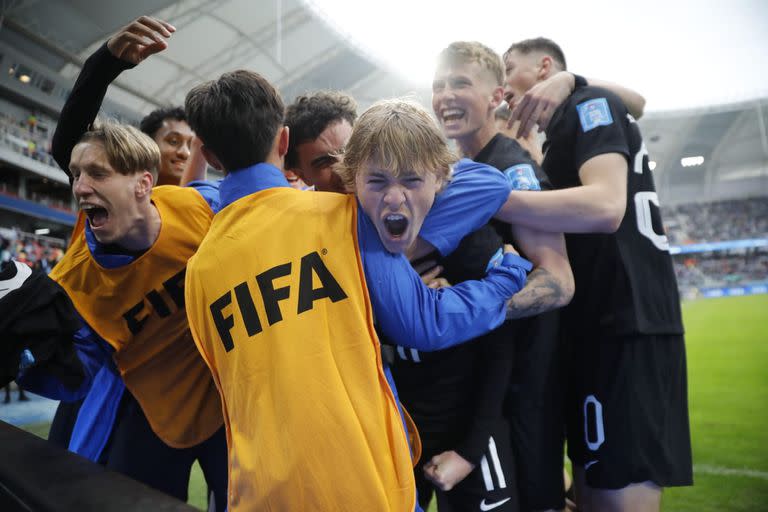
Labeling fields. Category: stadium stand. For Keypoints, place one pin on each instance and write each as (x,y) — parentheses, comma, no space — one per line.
(721,247)
(36,251)
(717,221)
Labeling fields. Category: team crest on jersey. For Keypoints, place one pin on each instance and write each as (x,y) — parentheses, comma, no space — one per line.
(522,177)
(594,113)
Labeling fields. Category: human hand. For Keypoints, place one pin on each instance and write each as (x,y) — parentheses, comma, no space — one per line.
(540,102)
(529,143)
(447,469)
(509,248)
(139,39)
(430,271)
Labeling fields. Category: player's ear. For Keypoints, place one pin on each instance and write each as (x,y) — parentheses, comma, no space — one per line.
(545,67)
(211,158)
(497,96)
(282,141)
(144,183)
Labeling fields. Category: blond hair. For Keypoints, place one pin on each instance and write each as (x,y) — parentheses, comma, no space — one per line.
(128,150)
(399,136)
(463,52)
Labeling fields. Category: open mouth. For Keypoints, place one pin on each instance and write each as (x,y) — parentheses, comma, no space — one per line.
(97,216)
(395,224)
(452,114)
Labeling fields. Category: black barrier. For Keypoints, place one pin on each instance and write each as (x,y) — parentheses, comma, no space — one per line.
(38,476)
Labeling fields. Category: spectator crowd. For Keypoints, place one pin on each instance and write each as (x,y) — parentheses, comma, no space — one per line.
(37,252)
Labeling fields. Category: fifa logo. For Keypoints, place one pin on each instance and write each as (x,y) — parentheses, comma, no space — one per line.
(136,317)
(311,266)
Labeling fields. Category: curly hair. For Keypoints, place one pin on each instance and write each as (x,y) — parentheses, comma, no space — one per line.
(152,122)
(310,114)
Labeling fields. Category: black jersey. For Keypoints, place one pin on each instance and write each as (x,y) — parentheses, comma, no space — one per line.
(462,389)
(508,156)
(625,282)
(459,390)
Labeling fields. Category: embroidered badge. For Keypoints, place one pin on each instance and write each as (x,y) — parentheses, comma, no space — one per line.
(522,177)
(594,113)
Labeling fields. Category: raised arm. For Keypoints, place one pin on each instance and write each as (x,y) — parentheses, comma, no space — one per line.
(129,46)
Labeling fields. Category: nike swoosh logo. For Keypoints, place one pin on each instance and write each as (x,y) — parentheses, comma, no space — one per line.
(588,464)
(490,506)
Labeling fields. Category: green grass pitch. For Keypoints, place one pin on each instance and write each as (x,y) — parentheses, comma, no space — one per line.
(727,341)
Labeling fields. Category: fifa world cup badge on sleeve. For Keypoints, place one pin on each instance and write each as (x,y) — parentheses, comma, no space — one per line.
(594,113)
(522,177)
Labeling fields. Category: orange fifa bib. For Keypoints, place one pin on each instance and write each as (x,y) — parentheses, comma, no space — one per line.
(279,308)
(139,310)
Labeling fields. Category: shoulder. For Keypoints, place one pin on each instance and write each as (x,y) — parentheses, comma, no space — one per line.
(502,152)
(585,109)
(594,101)
(177,194)
(470,169)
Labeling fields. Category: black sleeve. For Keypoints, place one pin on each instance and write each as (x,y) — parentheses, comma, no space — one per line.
(600,121)
(496,356)
(84,102)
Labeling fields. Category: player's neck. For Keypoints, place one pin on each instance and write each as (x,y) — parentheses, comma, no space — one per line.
(473,143)
(144,230)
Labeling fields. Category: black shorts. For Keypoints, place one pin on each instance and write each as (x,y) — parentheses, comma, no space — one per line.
(136,451)
(535,409)
(628,411)
(63,423)
(491,485)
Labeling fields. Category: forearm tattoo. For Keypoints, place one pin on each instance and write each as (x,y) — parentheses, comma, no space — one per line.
(542,292)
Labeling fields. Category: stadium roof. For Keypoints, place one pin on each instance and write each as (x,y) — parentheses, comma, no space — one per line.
(284,40)
(302,46)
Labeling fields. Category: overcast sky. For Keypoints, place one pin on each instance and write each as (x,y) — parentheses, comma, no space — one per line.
(678,54)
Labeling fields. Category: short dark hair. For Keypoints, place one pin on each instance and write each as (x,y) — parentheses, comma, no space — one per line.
(540,44)
(237,117)
(310,114)
(154,120)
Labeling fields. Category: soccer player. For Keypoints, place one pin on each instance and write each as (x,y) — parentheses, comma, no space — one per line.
(628,432)
(312,420)
(319,126)
(145,457)
(456,396)
(135,332)
(168,127)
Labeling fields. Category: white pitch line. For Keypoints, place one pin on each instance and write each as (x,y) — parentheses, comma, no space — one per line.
(708,469)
